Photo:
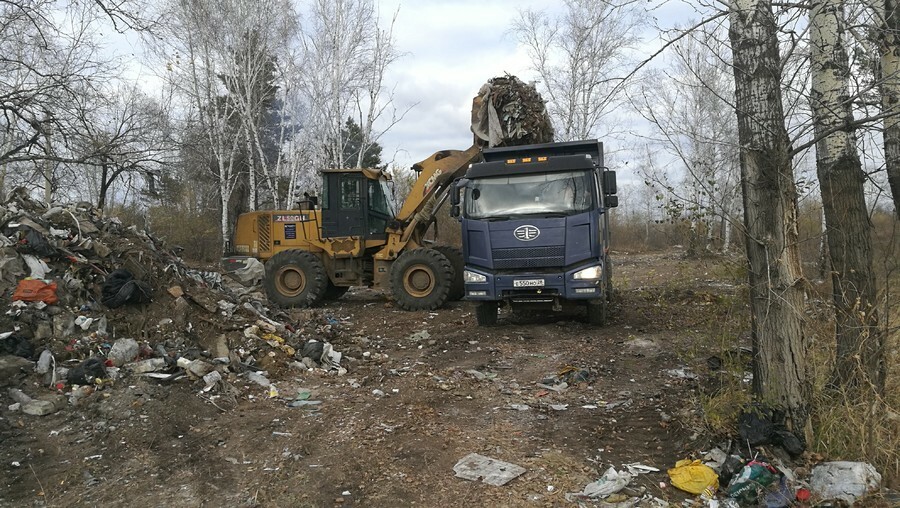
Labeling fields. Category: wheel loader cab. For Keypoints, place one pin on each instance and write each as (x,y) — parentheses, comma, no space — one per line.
(356,203)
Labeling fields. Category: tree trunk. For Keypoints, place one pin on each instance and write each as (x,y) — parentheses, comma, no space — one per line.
(770,214)
(824,263)
(251,170)
(726,242)
(860,347)
(890,95)
(104,187)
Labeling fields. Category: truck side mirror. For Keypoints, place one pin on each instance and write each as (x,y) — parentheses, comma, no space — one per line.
(609,183)
(611,201)
(455,188)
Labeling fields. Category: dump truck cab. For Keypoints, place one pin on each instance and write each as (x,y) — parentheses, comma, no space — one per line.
(535,228)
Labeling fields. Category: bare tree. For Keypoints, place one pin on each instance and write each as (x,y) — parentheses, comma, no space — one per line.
(577,56)
(124,132)
(777,285)
(346,54)
(691,104)
(50,57)
(859,340)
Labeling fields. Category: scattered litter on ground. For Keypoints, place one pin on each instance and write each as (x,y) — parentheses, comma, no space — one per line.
(844,480)
(611,482)
(693,476)
(495,472)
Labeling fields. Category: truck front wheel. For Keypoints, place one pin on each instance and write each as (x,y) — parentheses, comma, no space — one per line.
(596,311)
(486,313)
(421,279)
(295,278)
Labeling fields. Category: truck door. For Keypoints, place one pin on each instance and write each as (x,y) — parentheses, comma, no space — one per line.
(345,212)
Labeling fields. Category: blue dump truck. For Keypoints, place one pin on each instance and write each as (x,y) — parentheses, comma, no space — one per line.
(535,229)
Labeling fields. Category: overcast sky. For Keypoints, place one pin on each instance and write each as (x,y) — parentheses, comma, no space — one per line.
(450,49)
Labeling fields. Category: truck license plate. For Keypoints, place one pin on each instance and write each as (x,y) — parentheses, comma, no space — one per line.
(528,283)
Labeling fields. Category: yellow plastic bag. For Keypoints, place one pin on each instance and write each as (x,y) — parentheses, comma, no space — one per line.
(693,476)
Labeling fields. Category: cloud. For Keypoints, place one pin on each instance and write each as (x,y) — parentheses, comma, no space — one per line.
(451,49)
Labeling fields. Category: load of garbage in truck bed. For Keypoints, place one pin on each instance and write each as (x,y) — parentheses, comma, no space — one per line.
(88,300)
(508,112)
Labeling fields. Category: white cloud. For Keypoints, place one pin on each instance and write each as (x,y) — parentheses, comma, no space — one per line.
(451,49)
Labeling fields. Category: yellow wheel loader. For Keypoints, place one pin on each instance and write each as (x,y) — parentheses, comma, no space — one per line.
(353,238)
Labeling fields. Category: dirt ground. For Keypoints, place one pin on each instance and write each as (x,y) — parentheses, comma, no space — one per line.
(446,393)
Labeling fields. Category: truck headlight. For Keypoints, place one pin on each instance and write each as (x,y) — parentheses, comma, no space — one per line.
(473,277)
(589,273)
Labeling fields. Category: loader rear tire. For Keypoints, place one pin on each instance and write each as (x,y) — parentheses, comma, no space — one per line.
(421,279)
(295,278)
(454,255)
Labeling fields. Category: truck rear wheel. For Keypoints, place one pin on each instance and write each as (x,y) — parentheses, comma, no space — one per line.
(295,278)
(596,311)
(486,313)
(454,255)
(421,279)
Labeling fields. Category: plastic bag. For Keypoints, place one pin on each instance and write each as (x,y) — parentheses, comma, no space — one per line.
(121,287)
(36,290)
(754,480)
(693,476)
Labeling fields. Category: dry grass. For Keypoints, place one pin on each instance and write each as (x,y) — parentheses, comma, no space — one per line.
(843,428)
(850,427)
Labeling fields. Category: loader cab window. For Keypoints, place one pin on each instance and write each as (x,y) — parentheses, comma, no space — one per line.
(378,201)
(380,209)
(350,193)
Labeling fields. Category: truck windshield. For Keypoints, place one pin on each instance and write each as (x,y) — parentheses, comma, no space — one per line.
(551,194)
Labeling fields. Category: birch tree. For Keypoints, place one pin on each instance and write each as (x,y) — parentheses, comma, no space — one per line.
(347,52)
(770,213)
(848,230)
(576,57)
(196,77)
(889,39)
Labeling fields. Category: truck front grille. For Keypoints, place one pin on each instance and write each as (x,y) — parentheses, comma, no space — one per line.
(530,257)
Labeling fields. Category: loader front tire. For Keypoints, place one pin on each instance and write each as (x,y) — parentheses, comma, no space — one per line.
(295,278)
(421,279)
(455,256)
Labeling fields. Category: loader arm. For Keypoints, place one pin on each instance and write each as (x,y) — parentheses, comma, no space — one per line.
(435,175)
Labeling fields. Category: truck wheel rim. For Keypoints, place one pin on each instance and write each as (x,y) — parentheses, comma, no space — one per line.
(290,281)
(418,281)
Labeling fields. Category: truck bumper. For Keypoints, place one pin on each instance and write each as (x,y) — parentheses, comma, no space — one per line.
(531,287)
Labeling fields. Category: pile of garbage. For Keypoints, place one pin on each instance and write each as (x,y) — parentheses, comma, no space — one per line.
(508,112)
(89,301)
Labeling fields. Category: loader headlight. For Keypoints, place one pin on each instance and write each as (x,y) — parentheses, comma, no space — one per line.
(473,277)
(590,273)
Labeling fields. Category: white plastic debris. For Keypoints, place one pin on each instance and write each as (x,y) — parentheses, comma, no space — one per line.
(491,471)
(611,482)
(844,480)
(84,322)
(259,379)
(38,267)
